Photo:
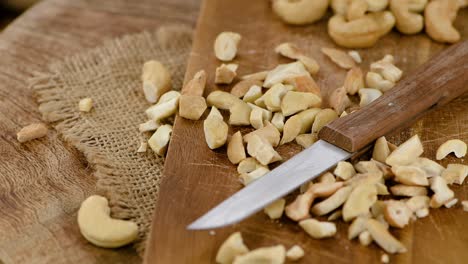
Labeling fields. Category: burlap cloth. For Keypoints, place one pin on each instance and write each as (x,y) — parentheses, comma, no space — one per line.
(108,135)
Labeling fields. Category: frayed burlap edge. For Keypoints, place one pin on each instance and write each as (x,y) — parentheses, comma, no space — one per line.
(108,135)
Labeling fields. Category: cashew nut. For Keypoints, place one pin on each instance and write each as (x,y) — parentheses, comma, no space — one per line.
(381,150)
(269,132)
(306,140)
(451,203)
(226,73)
(265,113)
(256,118)
(332,202)
(298,124)
(300,12)
(383,238)
(442,192)
(156,80)
(235,149)
(143,147)
(439,16)
(275,209)
(99,228)
(216,130)
(406,190)
(272,98)
(335,215)
(376,5)
(222,100)
(356,9)
(339,6)
(354,80)
(357,227)
(261,149)
(456,146)
(455,173)
(32,131)
(252,94)
(407,22)
(295,253)
(149,125)
(410,175)
(431,167)
(406,153)
(355,56)
(377,209)
(387,69)
(291,51)
(240,114)
(344,170)
(164,109)
(365,238)
(359,201)
(322,118)
(258,76)
(284,72)
(376,81)
(294,102)
(248,165)
(278,121)
(196,85)
(360,33)
(159,141)
(339,100)
(341,58)
(397,213)
(305,83)
(248,178)
(368,95)
(416,203)
(191,106)
(85,104)
(273,255)
(168,96)
(417,6)
(225,46)
(233,246)
(327,177)
(318,230)
(370,178)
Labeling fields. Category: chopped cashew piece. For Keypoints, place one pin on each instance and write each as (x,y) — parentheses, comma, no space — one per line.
(258,76)
(405,190)
(262,150)
(305,84)
(241,88)
(341,58)
(332,202)
(442,192)
(455,173)
(327,177)
(354,81)
(222,100)
(416,203)
(240,114)
(318,230)
(410,175)
(191,106)
(271,255)
(367,167)
(306,140)
(344,170)
(465,206)
(159,141)
(149,125)
(225,46)
(407,22)
(456,146)
(387,69)
(226,73)
(383,238)
(359,201)
(431,167)
(365,238)
(365,179)
(355,56)
(294,102)
(439,16)
(162,110)
(451,203)
(377,209)
(274,95)
(284,72)
(406,153)
(268,132)
(97,226)
(168,96)
(335,215)
(85,105)
(322,118)
(233,246)
(278,121)
(368,95)
(142,148)
(196,85)
(235,149)
(291,51)
(252,94)
(397,213)
(385,258)
(299,124)
(295,253)
(381,150)
(376,81)
(275,209)
(265,113)
(357,227)
(248,165)
(32,131)
(248,178)
(339,100)
(256,118)
(156,80)
(421,213)
(300,12)
(216,130)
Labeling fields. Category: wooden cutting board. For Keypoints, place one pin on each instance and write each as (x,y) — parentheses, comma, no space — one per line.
(197,178)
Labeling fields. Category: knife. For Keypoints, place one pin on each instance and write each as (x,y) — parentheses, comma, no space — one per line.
(436,83)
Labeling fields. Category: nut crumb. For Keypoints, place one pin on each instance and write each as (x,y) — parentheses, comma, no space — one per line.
(385,258)
(31,132)
(85,104)
(465,205)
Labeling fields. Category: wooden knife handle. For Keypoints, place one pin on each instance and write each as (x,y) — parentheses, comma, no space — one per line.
(437,82)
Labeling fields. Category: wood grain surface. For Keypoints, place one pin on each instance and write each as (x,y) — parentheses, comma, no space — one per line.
(197,179)
(43,182)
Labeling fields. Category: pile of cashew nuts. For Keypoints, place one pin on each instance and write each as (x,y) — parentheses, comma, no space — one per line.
(361,23)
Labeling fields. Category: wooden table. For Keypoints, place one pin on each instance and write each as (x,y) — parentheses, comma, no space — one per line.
(47,179)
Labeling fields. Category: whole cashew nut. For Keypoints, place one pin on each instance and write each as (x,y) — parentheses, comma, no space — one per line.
(417,6)
(360,33)
(376,5)
(440,15)
(99,228)
(300,12)
(406,22)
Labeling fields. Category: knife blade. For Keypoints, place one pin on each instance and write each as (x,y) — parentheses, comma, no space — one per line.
(275,184)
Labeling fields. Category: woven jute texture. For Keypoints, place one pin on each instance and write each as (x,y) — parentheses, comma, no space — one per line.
(108,135)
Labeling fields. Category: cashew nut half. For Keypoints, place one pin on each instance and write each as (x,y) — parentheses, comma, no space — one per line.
(439,16)
(99,228)
(455,173)
(300,12)
(225,46)
(456,146)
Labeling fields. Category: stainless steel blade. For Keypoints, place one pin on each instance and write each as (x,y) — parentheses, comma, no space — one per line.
(305,166)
